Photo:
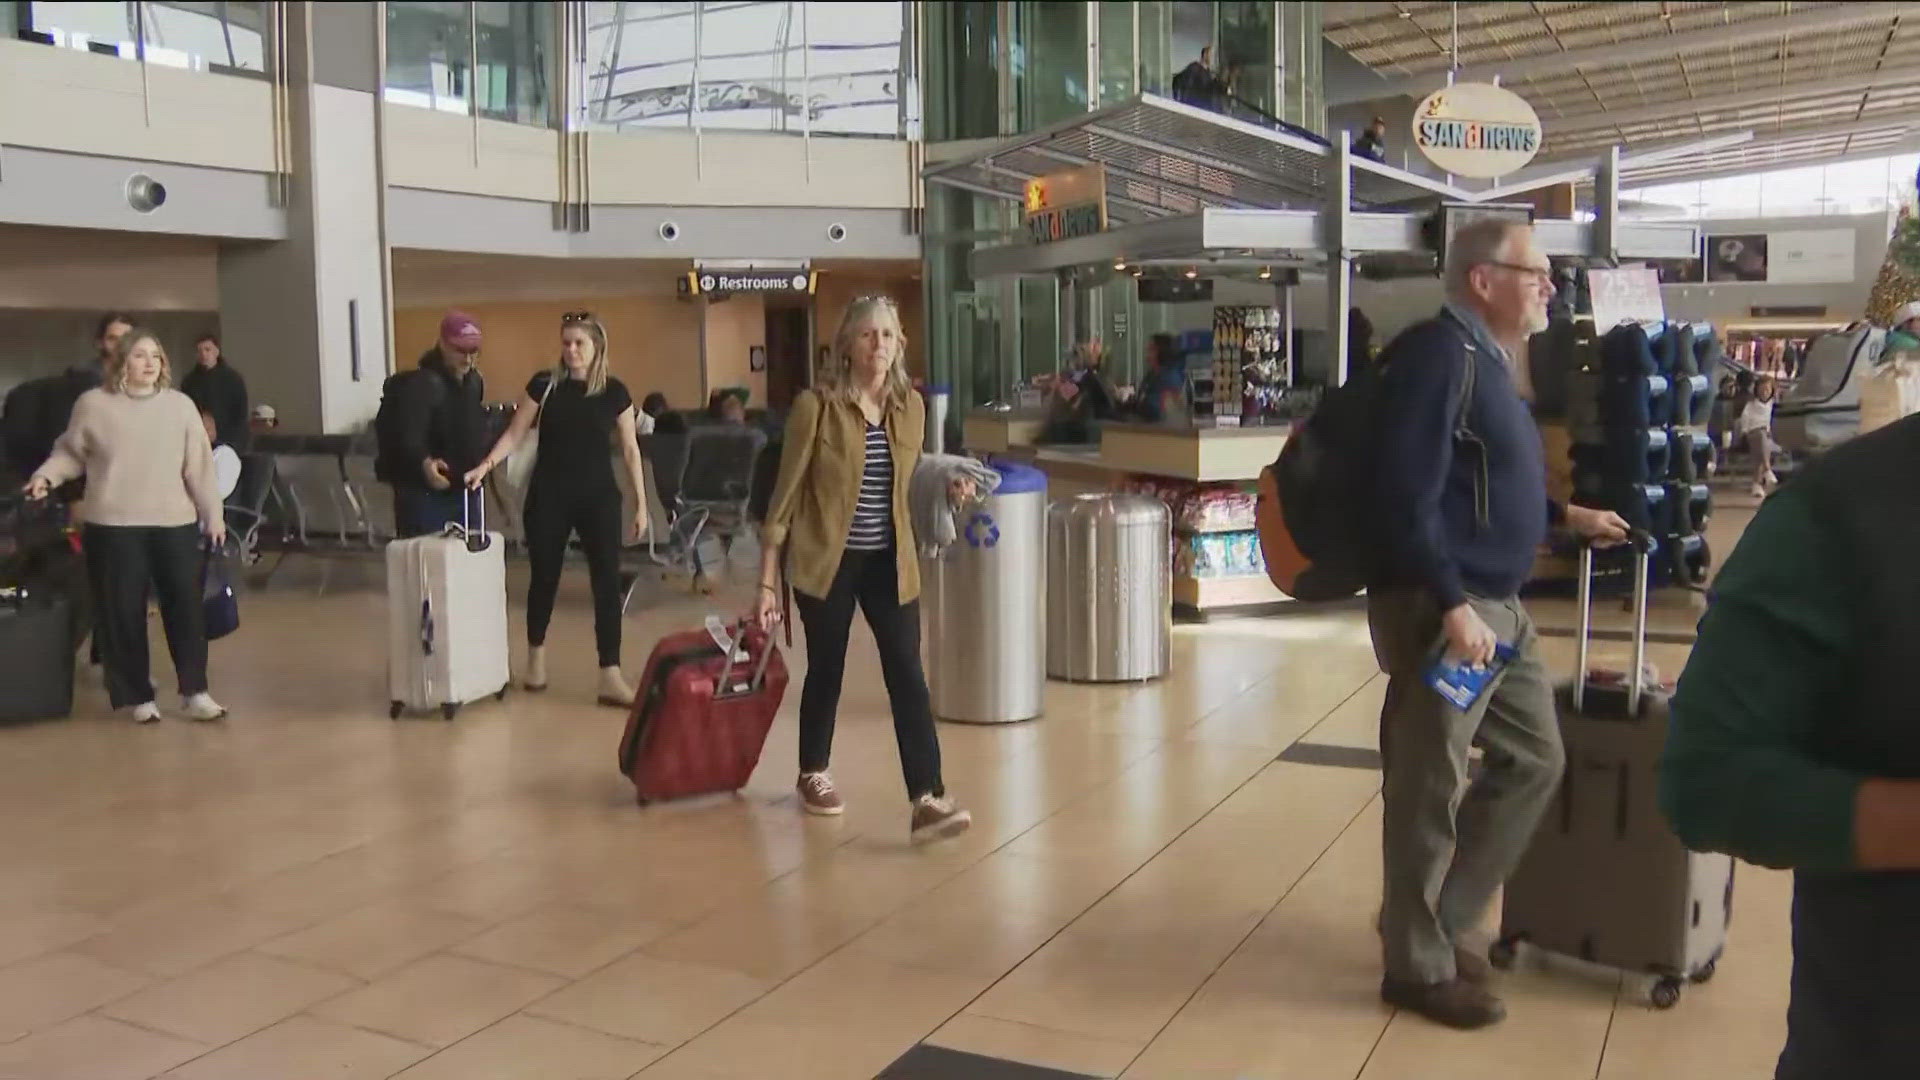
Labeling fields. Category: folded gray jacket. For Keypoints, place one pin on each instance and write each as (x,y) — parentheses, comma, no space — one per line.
(927,501)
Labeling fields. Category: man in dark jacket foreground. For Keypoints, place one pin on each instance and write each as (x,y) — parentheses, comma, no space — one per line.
(1460,522)
(1793,745)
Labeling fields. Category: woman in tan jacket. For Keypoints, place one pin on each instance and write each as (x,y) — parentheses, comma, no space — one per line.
(839,518)
(151,493)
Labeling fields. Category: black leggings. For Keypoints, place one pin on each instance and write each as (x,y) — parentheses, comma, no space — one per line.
(124,563)
(869,579)
(551,517)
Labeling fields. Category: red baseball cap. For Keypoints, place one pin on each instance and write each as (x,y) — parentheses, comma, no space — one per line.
(460,330)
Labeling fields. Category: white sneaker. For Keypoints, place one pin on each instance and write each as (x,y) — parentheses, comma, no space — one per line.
(145,714)
(1759,492)
(202,707)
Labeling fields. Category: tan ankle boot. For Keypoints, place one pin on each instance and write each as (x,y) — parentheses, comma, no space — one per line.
(614,690)
(536,677)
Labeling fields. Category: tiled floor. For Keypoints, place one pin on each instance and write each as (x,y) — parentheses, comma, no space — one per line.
(1153,889)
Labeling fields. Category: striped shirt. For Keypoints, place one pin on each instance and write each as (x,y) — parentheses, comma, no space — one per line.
(873,515)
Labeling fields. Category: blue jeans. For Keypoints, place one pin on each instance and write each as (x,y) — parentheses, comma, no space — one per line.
(418,510)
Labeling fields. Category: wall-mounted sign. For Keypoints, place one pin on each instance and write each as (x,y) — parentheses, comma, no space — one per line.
(1064,205)
(1452,217)
(705,280)
(1477,130)
(1811,256)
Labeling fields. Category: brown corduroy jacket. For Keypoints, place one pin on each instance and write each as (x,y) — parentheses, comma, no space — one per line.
(821,463)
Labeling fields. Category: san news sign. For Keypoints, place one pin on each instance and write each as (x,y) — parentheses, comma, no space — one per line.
(1067,204)
(1477,130)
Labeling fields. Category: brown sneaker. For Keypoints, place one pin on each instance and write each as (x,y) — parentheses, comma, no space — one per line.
(936,818)
(817,795)
(1457,1003)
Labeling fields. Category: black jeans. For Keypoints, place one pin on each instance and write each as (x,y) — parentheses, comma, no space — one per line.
(123,563)
(551,517)
(870,580)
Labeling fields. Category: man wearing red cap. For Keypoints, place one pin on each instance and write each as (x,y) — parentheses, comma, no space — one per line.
(438,430)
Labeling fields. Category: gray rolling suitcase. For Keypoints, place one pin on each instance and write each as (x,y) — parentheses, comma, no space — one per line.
(1605,879)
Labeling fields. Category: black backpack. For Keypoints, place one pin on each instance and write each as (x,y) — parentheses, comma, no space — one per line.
(1317,533)
(401,399)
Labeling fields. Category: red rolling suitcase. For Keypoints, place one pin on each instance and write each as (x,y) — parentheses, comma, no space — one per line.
(702,714)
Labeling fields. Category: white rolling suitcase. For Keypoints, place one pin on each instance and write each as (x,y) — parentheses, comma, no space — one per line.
(447,618)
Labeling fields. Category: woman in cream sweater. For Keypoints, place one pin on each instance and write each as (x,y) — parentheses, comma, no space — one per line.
(151,494)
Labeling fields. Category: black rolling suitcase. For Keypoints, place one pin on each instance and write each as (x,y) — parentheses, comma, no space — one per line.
(1606,880)
(36,655)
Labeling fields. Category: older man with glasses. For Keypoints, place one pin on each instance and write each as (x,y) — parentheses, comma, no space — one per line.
(1462,476)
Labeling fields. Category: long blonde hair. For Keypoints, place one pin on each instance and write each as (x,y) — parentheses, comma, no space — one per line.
(836,377)
(596,332)
(115,380)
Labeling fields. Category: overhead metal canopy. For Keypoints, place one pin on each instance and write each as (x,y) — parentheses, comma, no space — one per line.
(1163,158)
(1299,237)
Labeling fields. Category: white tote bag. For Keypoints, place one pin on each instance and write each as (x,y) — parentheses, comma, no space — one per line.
(1890,392)
(518,468)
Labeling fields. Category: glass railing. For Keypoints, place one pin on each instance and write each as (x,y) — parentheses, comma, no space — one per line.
(228,37)
(494,58)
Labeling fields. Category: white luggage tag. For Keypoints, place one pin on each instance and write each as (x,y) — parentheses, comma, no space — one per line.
(723,638)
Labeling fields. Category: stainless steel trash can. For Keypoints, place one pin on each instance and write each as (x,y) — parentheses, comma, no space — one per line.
(984,616)
(1109,589)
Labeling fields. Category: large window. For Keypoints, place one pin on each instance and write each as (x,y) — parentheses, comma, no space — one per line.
(460,57)
(784,66)
(228,38)
(1862,186)
(963,70)
(1049,62)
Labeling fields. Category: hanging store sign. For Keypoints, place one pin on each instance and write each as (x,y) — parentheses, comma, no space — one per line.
(706,280)
(1477,130)
(1065,205)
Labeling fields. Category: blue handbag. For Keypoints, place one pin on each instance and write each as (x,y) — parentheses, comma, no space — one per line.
(220,608)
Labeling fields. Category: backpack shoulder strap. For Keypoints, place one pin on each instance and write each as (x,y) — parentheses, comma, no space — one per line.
(1463,435)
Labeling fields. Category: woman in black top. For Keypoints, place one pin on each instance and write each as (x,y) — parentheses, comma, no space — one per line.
(584,414)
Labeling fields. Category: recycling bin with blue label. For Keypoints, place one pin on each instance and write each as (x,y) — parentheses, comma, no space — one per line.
(985,606)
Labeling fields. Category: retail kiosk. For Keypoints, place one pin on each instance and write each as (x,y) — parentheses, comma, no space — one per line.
(1188,187)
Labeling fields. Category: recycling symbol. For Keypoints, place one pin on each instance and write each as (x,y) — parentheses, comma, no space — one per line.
(982,532)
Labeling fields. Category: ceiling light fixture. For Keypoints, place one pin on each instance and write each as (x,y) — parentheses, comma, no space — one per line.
(1119,264)
(1192,273)
(1266,273)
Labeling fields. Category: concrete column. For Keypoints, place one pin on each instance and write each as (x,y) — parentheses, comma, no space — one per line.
(307,319)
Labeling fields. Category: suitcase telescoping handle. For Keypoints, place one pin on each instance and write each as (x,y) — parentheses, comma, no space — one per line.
(724,688)
(1642,544)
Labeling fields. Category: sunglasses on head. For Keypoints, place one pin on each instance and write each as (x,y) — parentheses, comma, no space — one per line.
(576,317)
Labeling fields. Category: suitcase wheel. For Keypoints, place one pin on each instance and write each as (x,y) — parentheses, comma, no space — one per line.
(394,709)
(1665,993)
(447,710)
(1502,953)
(1706,971)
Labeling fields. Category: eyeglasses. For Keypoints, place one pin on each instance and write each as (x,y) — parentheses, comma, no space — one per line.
(576,317)
(875,298)
(1539,276)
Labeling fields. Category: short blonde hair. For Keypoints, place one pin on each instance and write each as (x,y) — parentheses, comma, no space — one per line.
(836,378)
(115,381)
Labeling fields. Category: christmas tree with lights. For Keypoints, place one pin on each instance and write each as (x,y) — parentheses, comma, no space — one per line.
(1899,279)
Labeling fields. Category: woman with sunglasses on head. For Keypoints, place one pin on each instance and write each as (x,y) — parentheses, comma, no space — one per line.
(839,518)
(584,415)
(151,494)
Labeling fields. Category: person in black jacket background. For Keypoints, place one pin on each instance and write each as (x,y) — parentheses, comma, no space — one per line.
(217,388)
(442,432)
(36,412)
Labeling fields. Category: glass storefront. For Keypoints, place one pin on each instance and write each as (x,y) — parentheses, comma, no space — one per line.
(826,67)
(226,38)
(985,335)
